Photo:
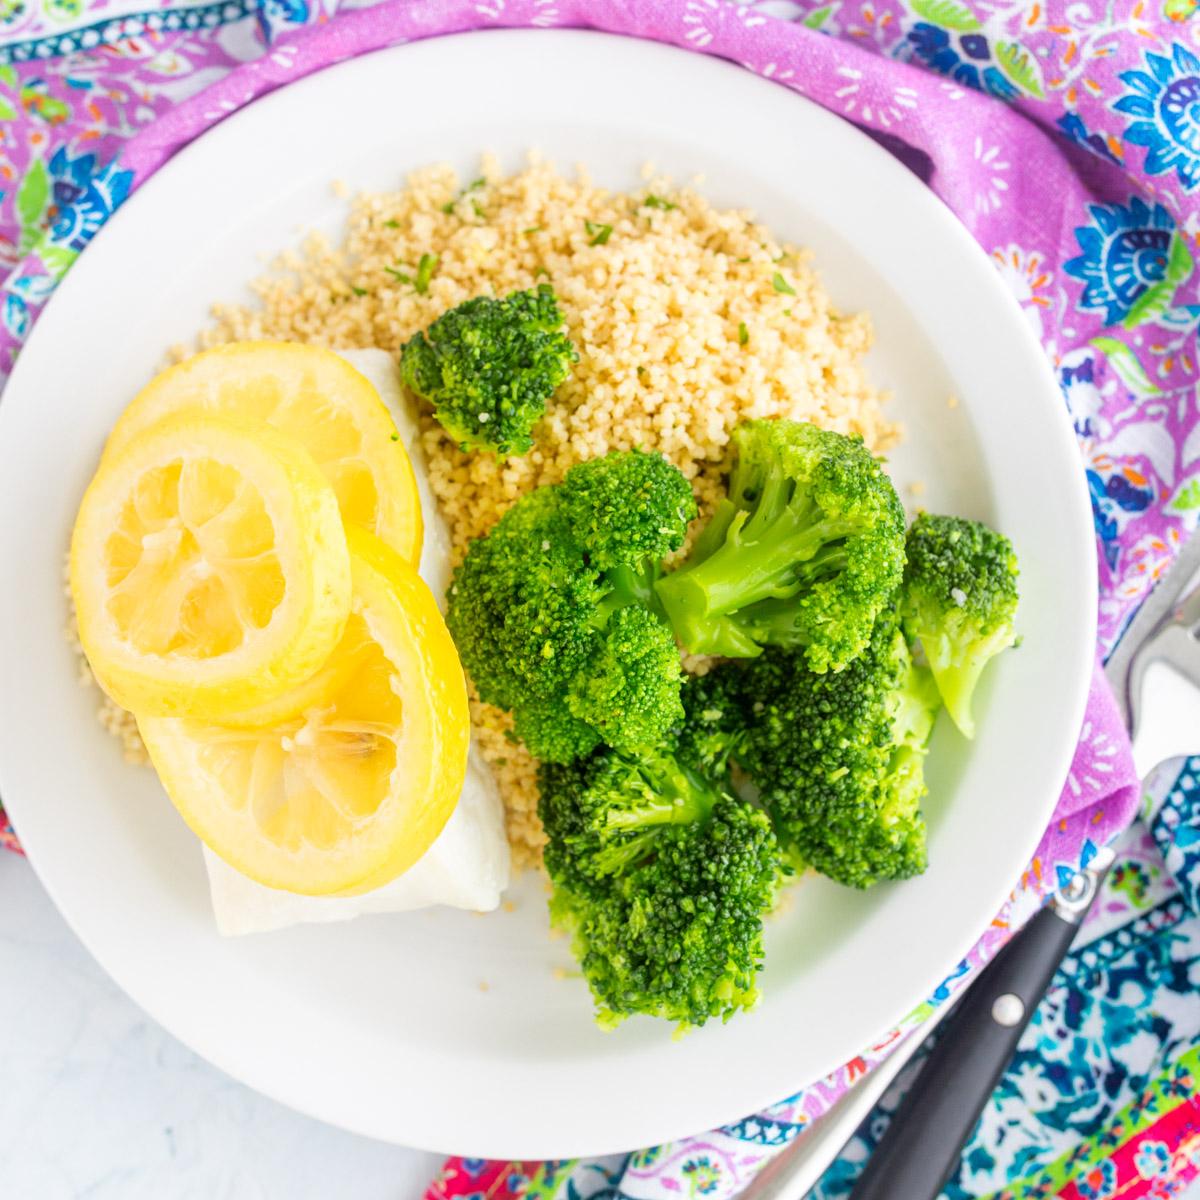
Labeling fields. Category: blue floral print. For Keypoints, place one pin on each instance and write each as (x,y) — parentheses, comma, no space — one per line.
(1098,1183)
(964,57)
(1125,251)
(1152,1160)
(1165,99)
(69,177)
(1072,126)
(1115,498)
(99,196)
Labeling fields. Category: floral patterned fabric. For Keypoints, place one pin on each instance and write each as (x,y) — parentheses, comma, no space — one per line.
(1064,135)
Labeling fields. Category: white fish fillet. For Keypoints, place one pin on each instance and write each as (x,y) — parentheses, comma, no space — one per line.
(468,865)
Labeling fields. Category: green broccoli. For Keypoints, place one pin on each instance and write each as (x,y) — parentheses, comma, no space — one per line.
(960,603)
(805,550)
(488,367)
(838,757)
(549,610)
(662,876)
(717,719)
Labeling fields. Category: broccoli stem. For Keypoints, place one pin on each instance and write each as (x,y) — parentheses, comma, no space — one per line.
(673,794)
(759,559)
(670,793)
(628,585)
(957,681)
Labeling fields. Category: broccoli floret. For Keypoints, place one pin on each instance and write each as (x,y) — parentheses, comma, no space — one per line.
(838,757)
(488,367)
(662,876)
(548,610)
(960,603)
(550,730)
(716,715)
(804,551)
(631,683)
(520,606)
(616,507)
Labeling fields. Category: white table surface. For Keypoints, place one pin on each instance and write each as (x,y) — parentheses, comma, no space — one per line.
(97,1101)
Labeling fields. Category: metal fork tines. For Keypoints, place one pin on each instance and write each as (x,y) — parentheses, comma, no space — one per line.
(1171,657)
(1163,615)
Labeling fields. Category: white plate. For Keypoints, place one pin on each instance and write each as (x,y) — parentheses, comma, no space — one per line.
(382,1026)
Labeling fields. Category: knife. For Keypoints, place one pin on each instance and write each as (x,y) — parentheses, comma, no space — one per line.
(1155,675)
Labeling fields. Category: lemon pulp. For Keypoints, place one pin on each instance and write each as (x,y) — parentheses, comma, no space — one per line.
(353,787)
(314,396)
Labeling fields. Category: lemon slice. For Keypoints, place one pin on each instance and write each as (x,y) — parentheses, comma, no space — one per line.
(349,793)
(209,569)
(314,396)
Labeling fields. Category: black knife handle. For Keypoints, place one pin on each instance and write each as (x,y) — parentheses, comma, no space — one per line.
(926,1136)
